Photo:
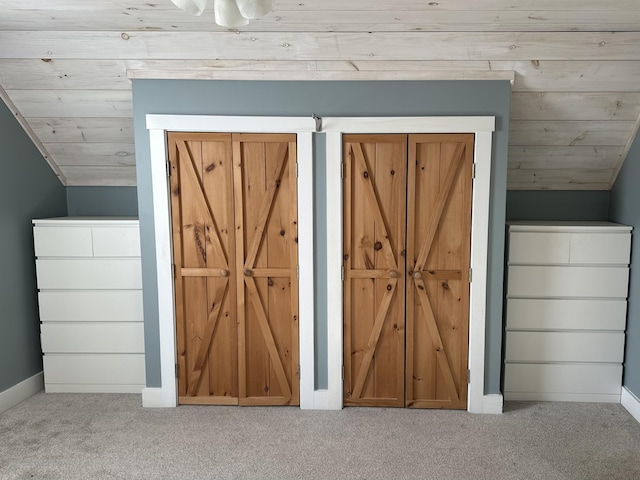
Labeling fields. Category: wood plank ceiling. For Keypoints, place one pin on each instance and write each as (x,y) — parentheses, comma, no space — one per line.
(65,69)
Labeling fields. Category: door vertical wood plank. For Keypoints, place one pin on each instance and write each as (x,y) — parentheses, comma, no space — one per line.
(428,180)
(363,302)
(217,181)
(390,185)
(176,216)
(276,238)
(347,265)
(254,190)
(239,232)
(410,256)
(194,223)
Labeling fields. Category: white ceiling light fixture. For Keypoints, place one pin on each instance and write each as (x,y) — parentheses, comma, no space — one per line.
(228,13)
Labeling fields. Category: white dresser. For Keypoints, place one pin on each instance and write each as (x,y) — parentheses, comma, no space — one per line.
(90,299)
(566,310)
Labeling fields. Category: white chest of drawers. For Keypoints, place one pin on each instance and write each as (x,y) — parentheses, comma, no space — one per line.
(90,302)
(566,311)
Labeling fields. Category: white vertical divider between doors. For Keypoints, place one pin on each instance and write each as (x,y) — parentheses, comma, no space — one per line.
(334,270)
(306,291)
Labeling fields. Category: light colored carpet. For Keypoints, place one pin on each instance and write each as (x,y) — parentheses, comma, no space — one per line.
(87,436)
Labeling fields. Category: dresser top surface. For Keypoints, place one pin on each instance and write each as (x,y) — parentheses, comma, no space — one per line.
(566,226)
(86,221)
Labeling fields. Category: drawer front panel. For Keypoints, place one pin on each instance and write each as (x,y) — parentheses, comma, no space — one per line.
(601,248)
(62,241)
(535,247)
(563,378)
(116,242)
(562,314)
(125,369)
(87,274)
(556,281)
(92,338)
(564,347)
(91,306)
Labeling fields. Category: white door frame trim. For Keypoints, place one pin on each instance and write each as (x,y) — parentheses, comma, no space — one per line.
(483,128)
(158,126)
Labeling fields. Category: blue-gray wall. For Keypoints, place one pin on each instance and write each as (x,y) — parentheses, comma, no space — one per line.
(102,201)
(433,98)
(558,205)
(28,189)
(625,208)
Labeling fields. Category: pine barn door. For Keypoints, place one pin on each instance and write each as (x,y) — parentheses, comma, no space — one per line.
(235,252)
(201,175)
(438,259)
(266,261)
(407,221)
(374,268)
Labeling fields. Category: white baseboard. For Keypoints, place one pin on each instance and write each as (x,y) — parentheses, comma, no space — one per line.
(630,402)
(492,404)
(153,397)
(16,394)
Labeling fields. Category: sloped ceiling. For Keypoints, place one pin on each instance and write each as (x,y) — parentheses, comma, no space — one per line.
(65,69)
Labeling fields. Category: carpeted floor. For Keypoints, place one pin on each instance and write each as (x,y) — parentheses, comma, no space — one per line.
(86,436)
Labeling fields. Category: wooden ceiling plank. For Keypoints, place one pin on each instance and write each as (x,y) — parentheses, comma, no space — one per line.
(574,106)
(92,154)
(554,157)
(100,176)
(89,130)
(47,74)
(540,76)
(73,103)
(568,133)
(339,5)
(169,19)
(324,46)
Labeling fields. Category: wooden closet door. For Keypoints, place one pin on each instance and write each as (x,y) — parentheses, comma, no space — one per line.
(438,256)
(266,262)
(374,268)
(204,257)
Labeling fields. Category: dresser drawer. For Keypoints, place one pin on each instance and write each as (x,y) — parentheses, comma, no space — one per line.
(600,248)
(560,281)
(116,241)
(90,273)
(565,314)
(536,248)
(559,378)
(104,369)
(90,306)
(51,241)
(92,338)
(597,347)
